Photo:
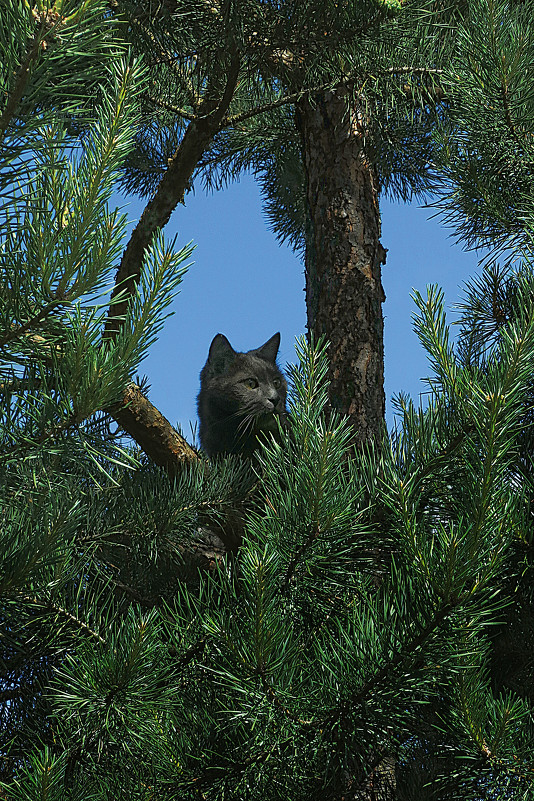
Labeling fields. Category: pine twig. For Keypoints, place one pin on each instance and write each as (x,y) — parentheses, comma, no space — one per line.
(49,21)
(164,56)
(509,120)
(21,80)
(180,112)
(381,674)
(299,553)
(38,318)
(68,615)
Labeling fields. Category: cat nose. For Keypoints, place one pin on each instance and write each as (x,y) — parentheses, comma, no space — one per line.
(274,398)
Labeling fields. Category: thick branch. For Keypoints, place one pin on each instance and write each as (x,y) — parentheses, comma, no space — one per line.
(171,191)
(136,415)
(152,431)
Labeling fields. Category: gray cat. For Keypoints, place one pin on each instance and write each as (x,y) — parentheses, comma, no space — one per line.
(241,395)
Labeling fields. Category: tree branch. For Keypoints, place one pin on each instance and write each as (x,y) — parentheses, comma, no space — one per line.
(135,414)
(180,112)
(347,82)
(170,192)
(21,80)
(152,431)
(164,56)
(508,117)
(18,331)
(49,22)
(297,556)
(213,774)
(439,618)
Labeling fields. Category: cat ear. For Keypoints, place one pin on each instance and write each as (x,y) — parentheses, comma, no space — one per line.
(220,346)
(221,354)
(270,349)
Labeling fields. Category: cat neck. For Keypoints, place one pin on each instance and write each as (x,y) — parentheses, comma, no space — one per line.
(222,432)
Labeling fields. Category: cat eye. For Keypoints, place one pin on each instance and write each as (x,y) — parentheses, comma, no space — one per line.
(277,383)
(251,383)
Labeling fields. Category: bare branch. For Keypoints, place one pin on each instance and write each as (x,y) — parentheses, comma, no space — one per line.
(152,431)
(170,192)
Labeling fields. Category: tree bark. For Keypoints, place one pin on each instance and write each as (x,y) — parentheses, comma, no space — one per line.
(152,431)
(344,296)
(344,293)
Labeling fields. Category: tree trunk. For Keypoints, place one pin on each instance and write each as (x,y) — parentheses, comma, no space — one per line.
(344,295)
(344,292)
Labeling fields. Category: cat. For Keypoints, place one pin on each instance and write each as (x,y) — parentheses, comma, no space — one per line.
(241,395)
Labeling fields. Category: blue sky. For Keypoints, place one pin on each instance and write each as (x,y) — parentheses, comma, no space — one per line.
(245,285)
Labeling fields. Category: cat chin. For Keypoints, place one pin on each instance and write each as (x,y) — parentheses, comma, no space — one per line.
(267,421)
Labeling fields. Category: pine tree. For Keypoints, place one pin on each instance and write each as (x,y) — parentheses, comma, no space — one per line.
(70,103)
(486,146)
(487,154)
(328,104)
(348,649)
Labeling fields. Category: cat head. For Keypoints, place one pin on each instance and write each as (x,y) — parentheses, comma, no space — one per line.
(240,395)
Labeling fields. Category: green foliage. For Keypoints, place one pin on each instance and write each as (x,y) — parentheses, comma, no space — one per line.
(51,57)
(66,125)
(58,246)
(354,622)
(378,609)
(480,473)
(487,148)
(388,57)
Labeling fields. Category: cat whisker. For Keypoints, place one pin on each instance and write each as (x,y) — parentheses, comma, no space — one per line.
(246,424)
(228,419)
